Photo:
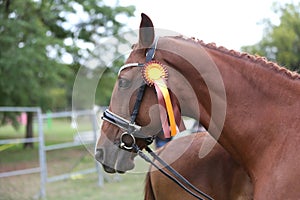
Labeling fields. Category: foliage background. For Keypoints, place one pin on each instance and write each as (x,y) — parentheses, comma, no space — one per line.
(281,42)
(43,46)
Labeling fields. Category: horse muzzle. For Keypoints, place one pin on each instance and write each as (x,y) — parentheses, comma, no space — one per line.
(115,161)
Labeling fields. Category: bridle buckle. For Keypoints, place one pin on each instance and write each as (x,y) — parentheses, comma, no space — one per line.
(127,141)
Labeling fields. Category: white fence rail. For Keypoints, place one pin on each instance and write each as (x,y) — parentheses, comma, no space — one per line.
(43,149)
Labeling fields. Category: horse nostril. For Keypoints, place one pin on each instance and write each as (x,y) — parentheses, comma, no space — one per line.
(99,154)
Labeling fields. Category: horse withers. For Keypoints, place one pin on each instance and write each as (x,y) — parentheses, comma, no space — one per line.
(217,174)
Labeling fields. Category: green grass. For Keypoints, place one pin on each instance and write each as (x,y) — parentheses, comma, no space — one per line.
(131,185)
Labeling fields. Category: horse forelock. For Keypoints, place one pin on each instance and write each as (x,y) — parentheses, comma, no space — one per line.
(262,61)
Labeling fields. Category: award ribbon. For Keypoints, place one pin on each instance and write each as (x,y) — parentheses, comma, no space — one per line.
(155,73)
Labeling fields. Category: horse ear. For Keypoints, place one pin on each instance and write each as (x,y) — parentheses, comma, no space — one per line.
(146,34)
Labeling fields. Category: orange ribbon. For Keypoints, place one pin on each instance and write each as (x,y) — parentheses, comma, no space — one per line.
(163,94)
(155,73)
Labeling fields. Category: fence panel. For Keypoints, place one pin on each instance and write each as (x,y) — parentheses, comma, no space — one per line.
(88,137)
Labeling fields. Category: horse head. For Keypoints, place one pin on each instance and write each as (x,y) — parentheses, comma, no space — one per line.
(143,103)
(122,104)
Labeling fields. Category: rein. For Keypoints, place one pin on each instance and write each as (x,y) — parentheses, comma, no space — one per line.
(132,131)
(178,179)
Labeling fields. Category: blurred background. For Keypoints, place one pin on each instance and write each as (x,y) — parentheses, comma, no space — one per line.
(51,51)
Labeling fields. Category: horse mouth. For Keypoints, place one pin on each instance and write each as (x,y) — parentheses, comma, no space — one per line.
(111,170)
(108,169)
(120,165)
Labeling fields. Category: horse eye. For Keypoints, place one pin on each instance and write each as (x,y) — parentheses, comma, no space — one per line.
(124,83)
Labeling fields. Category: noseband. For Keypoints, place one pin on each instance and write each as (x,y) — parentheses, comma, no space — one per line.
(132,130)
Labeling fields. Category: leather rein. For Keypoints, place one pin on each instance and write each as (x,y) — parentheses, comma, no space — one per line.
(133,131)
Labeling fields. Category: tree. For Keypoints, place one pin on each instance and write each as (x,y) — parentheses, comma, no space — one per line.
(281,43)
(35,43)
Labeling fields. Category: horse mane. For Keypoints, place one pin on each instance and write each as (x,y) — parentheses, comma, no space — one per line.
(246,56)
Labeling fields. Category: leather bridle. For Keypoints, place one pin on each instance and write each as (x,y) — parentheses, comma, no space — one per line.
(133,131)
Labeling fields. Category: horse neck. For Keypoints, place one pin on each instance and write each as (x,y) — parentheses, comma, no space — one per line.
(260,99)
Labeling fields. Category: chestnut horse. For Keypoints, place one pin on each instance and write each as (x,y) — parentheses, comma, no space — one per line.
(204,173)
(251,106)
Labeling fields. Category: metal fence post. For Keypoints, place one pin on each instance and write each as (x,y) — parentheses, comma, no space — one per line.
(42,154)
(95,129)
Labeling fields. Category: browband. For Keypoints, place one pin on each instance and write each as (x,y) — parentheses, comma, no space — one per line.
(130,65)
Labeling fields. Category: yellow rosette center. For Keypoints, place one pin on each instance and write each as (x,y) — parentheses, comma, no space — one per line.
(153,72)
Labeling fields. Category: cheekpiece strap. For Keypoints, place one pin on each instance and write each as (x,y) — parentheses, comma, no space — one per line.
(149,56)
